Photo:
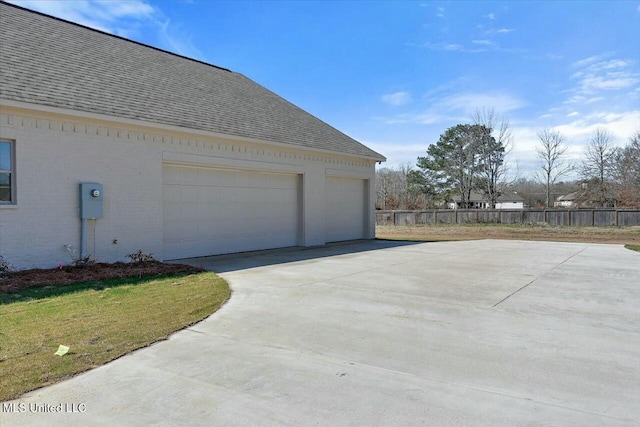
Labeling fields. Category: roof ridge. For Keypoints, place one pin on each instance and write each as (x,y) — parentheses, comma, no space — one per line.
(113,35)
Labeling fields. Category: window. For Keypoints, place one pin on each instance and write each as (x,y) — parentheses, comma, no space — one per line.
(7,172)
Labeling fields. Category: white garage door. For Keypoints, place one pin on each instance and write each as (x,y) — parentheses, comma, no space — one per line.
(214,211)
(345,208)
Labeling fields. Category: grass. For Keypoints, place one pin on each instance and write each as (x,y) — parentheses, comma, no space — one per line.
(99,321)
(448,232)
(633,247)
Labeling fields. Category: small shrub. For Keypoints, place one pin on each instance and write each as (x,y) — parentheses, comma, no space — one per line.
(140,257)
(5,267)
(84,262)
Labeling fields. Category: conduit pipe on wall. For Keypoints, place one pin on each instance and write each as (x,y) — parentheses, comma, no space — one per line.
(90,208)
(83,238)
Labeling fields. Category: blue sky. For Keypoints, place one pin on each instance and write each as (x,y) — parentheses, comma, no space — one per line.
(395,75)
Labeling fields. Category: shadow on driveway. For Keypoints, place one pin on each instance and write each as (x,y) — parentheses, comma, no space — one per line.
(244,260)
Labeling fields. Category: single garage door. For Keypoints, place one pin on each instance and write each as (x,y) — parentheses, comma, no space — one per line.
(214,211)
(346,209)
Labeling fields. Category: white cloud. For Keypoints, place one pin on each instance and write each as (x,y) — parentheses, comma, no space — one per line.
(458,108)
(596,75)
(581,99)
(573,114)
(505,30)
(440,12)
(78,12)
(178,40)
(586,61)
(397,99)
(490,16)
(444,46)
(398,154)
(123,18)
(100,15)
(130,8)
(468,102)
(612,81)
(455,47)
(426,118)
(620,125)
(608,65)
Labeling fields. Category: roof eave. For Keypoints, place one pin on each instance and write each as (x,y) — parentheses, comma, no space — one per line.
(161,126)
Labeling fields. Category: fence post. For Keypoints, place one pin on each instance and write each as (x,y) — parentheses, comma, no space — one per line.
(616,221)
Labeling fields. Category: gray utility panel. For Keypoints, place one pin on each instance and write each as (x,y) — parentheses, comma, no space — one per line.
(90,200)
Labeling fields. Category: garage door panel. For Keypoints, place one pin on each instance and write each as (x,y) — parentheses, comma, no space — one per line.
(171,212)
(345,209)
(171,231)
(170,176)
(171,193)
(187,177)
(212,211)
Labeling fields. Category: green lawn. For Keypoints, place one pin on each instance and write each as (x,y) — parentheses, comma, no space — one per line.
(99,321)
(633,247)
(446,232)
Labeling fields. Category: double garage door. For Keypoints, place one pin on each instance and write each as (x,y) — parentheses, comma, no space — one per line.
(210,211)
(214,211)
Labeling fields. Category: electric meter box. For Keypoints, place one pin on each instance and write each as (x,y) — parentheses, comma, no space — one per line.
(90,200)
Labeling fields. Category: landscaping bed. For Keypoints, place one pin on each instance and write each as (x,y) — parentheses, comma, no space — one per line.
(15,281)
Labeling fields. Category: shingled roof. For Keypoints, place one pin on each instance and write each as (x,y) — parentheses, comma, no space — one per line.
(52,62)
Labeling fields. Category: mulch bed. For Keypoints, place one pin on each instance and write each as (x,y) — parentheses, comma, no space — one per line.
(16,281)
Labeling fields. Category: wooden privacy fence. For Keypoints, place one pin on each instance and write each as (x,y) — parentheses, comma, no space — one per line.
(584,217)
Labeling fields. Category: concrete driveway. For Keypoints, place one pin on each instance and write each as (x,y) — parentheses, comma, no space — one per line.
(487,332)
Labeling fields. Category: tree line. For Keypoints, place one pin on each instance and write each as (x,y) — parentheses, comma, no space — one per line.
(474,158)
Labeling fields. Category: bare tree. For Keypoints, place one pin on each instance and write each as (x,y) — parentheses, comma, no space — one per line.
(551,150)
(626,167)
(598,166)
(390,184)
(628,164)
(493,170)
(395,191)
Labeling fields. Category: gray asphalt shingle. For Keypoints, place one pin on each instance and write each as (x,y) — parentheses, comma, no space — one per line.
(52,62)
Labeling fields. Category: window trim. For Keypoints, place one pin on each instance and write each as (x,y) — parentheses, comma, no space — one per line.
(12,173)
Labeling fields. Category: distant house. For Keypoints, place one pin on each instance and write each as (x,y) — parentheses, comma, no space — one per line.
(480,201)
(586,199)
(569,200)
